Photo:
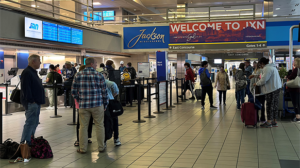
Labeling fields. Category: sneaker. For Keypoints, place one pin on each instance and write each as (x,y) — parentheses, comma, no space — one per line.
(296,119)
(202,107)
(192,98)
(103,149)
(117,142)
(274,124)
(50,108)
(224,104)
(266,125)
(213,107)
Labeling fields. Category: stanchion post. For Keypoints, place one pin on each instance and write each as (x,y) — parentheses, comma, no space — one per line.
(74,115)
(182,90)
(156,96)
(55,102)
(171,104)
(139,104)
(167,98)
(158,105)
(148,88)
(6,102)
(176,83)
(1,119)
(149,104)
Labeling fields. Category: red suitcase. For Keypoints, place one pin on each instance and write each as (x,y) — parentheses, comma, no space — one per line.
(249,114)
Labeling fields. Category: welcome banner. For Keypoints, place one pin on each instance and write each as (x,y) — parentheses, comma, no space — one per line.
(226,31)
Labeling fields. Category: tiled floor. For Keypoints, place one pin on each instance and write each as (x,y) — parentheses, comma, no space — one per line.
(185,136)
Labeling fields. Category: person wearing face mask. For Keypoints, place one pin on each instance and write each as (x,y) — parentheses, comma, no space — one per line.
(222,82)
(189,79)
(270,83)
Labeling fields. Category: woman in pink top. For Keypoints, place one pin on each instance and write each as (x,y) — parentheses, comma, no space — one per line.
(90,128)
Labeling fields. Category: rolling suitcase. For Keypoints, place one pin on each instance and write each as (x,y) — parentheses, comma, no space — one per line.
(198,94)
(249,114)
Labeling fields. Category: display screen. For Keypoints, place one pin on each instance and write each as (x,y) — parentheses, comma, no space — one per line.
(76,36)
(64,34)
(217,61)
(98,16)
(204,58)
(108,13)
(49,31)
(86,18)
(33,28)
(279,59)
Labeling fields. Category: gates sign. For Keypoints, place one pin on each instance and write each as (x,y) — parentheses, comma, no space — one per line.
(227,31)
(146,37)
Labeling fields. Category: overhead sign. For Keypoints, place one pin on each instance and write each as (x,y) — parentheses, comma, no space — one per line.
(162,65)
(227,45)
(33,28)
(143,69)
(146,37)
(225,31)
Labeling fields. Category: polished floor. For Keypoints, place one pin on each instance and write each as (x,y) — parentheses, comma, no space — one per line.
(185,136)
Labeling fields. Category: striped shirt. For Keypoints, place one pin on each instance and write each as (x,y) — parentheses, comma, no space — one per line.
(89,89)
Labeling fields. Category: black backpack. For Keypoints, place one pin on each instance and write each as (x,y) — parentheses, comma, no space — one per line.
(8,150)
(132,72)
(58,78)
(115,108)
(108,124)
(204,79)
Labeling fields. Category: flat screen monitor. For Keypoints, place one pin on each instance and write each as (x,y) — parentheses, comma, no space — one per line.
(108,13)
(49,31)
(279,59)
(44,71)
(13,71)
(204,58)
(33,28)
(86,18)
(217,61)
(77,35)
(46,65)
(64,34)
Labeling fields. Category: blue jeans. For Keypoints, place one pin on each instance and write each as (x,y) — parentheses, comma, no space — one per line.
(240,98)
(32,121)
(250,96)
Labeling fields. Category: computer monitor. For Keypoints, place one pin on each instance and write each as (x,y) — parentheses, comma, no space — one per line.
(43,71)
(13,71)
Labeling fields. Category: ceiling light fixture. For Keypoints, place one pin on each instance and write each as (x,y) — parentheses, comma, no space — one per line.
(274,15)
(96,3)
(277,8)
(33,6)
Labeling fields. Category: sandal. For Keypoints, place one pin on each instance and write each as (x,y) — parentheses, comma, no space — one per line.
(89,141)
(76,143)
(78,151)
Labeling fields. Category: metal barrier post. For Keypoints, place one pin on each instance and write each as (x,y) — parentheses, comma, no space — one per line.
(1,119)
(167,98)
(55,102)
(171,104)
(6,102)
(139,104)
(158,105)
(149,104)
(183,88)
(177,101)
(74,115)
(148,88)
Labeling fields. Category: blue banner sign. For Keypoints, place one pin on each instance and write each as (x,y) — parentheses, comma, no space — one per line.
(146,37)
(161,63)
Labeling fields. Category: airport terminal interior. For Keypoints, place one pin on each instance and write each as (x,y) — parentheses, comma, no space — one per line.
(191,83)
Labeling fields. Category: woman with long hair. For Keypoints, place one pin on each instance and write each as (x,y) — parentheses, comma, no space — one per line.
(241,84)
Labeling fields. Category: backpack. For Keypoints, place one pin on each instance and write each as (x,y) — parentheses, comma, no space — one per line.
(132,71)
(204,79)
(58,78)
(115,108)
(40,148)
(8,150)
(126,78)
(108,124)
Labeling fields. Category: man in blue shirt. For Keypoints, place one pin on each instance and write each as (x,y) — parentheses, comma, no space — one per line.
(70,73)
(32,97)
(122,67)
(248,72)
(207,87)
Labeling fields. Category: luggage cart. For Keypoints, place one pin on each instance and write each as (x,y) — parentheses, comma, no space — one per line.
(286,99)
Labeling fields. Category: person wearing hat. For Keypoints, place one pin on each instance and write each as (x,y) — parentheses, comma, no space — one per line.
(248,72)
(122,67)
(112,91)
(70,73)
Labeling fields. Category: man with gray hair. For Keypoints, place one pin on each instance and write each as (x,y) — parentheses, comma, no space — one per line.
(89,89)
(32,96)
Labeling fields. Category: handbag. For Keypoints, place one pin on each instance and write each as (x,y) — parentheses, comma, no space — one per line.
(115,108)
(41,148)
(295,83)
(9,149)
(24,151)
(16,95)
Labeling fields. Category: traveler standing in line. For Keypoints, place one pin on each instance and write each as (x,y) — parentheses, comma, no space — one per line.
(189,80)
(295,92)
(57,69)
(131,70)
(76,66)
(70,73)
(102,67)
(234,71)
(122,67)
(90,127)
(112,92)
(241,85)
(50,80)
(261,98)
(270,83)
(222,82)
(32,96)
(248,72)
(89,90)
(206,85)
(109,64)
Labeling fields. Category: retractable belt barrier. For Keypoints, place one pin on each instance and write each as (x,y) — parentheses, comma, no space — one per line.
(157,95)
(139,103)
(55,86)
(171,97)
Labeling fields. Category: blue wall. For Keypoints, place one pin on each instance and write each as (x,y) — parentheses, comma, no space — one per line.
(22,60)
(1,59)
(278,33)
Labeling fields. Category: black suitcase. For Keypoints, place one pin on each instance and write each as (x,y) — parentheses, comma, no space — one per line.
(198,94)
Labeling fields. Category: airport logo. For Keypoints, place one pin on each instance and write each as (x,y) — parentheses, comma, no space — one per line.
(34,26)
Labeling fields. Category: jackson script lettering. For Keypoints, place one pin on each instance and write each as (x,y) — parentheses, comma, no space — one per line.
(153,37)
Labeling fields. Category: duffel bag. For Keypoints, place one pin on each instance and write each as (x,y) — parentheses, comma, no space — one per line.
(40,148)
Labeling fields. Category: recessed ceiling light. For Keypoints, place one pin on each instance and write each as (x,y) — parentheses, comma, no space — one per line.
(277,8)
(96,3)
(274,15)
(32,5)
